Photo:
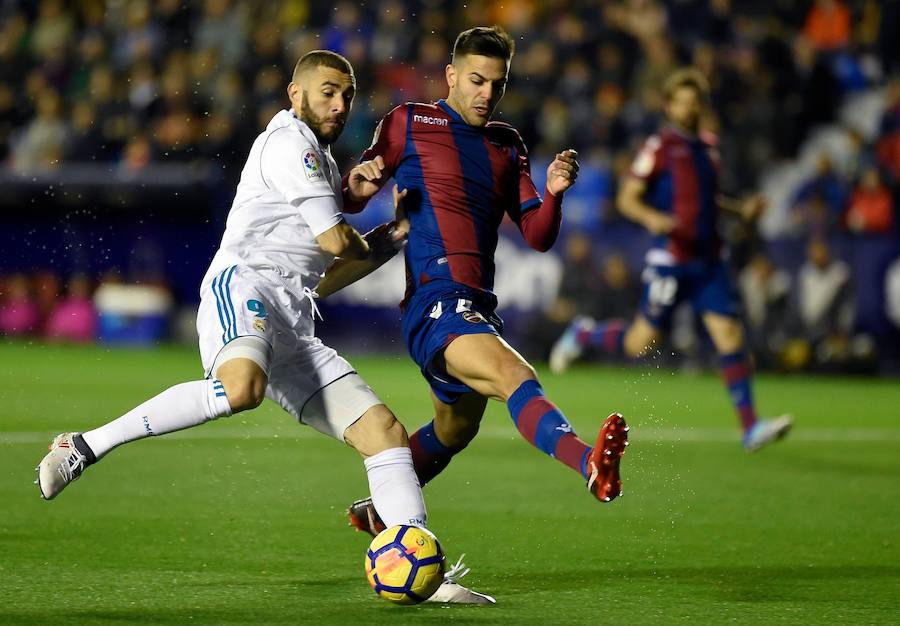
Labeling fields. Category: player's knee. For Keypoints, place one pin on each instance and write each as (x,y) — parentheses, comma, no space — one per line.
(245,393)
(512,374)
(639,340)
(377,430)
(731,338)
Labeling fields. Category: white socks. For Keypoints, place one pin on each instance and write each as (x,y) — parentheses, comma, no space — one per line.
(395,488)
(176,408)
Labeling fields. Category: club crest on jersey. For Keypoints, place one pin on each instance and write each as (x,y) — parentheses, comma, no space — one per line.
(473,317)
(311,164)
(260,325)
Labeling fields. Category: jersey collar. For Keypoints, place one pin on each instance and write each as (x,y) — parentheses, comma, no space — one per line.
(449,111)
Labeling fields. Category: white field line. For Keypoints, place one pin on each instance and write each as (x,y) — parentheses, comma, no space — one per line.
(637,433)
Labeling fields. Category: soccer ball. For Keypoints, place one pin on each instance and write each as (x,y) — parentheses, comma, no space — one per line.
(405,564)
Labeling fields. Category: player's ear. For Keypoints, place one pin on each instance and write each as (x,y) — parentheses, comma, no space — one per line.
(450,72)
(294,94)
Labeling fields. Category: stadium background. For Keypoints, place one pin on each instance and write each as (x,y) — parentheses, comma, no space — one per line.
(124,125)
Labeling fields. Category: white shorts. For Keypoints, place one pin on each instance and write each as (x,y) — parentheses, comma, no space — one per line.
(244,302)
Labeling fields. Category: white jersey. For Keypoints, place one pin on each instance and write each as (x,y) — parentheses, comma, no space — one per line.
(289,193)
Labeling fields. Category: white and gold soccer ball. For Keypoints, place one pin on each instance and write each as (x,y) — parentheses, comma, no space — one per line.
(405,564)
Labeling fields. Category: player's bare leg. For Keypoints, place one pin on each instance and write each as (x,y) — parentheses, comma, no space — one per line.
(245,383)
(640,337)
(737,372)
(490,366)
(615,337)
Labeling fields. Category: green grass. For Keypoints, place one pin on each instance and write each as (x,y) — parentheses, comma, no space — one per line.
(241,521)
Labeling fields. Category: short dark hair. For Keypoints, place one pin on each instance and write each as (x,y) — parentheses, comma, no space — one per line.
(489,41)
(686,77)
(319,58)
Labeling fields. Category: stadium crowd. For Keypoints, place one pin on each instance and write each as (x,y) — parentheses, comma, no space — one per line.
(127,85)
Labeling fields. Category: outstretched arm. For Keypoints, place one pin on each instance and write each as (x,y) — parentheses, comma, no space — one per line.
(631,205)
(384,242)
(749,209)
(540,226)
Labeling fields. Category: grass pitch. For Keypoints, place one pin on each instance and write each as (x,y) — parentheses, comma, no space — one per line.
(241,521)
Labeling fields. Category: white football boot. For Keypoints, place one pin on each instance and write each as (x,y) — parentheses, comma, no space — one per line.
(765,432)
(451,592)
(566,349)
(63,464)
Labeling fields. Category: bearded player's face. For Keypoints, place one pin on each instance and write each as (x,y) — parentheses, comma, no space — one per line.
(322,98)
(477,83)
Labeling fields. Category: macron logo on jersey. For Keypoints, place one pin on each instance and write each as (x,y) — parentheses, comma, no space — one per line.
(434,121)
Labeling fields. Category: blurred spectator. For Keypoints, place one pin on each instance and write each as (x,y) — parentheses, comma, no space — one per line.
(19,312)
(619,292)
(141,39)
(53,27)
(222,29)
(85,142)
(73,318)
(888,147)
(766,294)
(579,292)
(582,283)
(828,25)
(819,202)
(136,156)
(871,206)
(42,143)
(825,307)
(45,286)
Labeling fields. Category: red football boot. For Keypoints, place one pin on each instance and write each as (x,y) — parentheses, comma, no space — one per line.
(364,517)
(603,463)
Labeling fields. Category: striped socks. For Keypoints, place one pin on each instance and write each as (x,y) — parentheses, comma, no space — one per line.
(430,456)
(608,336)
(546,428)
(737,372)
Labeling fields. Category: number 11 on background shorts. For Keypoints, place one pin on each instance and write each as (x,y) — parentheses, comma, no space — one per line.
(707,285)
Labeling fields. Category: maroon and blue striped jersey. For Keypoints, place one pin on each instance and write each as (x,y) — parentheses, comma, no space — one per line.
(461,181)
(682,173)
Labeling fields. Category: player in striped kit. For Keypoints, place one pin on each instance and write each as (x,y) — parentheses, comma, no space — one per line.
(672,190)
(461,174)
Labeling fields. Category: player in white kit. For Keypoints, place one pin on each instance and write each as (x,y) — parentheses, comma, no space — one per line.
(255,319)
(257,309)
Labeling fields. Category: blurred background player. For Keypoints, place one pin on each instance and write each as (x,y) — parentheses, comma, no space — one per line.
(462,174)
(256,321)
(672,190)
